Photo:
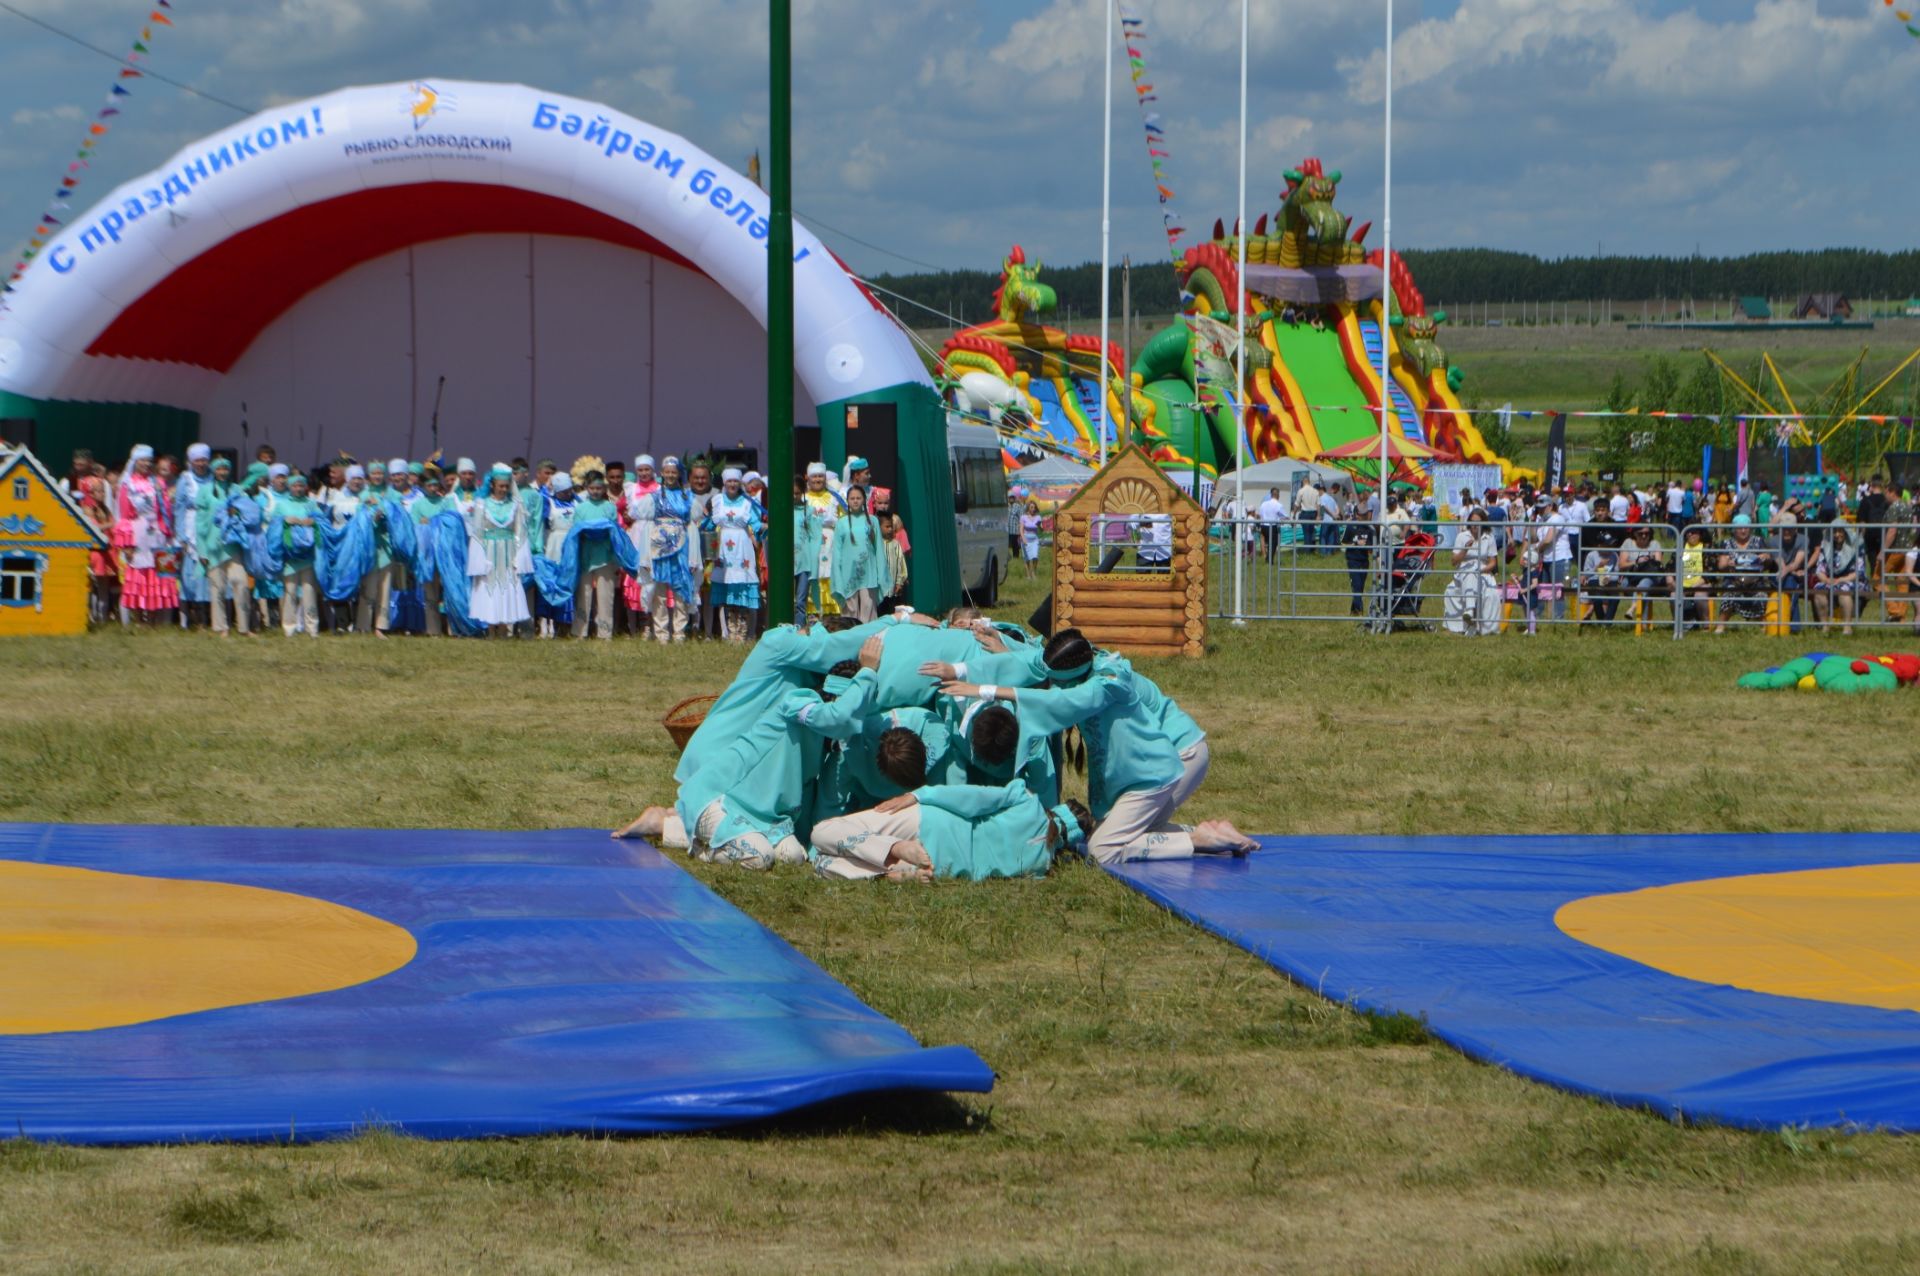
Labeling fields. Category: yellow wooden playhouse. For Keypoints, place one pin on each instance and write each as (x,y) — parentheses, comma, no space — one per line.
(44,544)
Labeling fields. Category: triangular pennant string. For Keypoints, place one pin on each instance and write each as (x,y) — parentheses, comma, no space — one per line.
(97,128)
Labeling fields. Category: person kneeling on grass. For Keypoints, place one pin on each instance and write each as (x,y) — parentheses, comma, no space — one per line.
(741,807)
(958,831)
(1144,756)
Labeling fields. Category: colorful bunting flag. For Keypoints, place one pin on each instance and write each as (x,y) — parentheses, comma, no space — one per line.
(96,129)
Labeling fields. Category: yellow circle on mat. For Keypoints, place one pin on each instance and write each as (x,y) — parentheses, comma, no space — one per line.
(1828,934)
(81,949)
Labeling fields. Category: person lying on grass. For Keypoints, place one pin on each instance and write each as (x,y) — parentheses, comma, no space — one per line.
(960,831)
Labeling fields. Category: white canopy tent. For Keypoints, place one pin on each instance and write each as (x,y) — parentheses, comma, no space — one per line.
(1286,474)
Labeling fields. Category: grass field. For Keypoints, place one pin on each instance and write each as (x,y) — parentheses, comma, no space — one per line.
(1165,1101)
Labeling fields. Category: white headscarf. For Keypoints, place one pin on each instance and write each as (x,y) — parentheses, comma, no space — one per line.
(644,459)
(199,452)
(730,475)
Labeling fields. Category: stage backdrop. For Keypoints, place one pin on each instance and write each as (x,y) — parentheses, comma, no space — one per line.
(551,347)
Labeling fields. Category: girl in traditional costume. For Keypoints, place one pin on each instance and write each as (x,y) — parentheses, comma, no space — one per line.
(142,541)
(737,527)
(498,556)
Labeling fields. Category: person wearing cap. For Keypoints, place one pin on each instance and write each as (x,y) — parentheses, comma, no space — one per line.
(186,504)
(142,534)
(295,525)
(557,508)
(826,508)
(962,832)
(498,556)
(637,615)
(860,474)
(278,472)
(669,562)
(219,536)
(737,527)
(466,494)
(742,803)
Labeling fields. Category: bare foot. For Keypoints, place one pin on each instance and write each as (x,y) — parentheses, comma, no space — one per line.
(648,824)
(1217,837)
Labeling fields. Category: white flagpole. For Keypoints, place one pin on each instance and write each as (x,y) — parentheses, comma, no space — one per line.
(1240,367)
(1386,271)
(1106,244)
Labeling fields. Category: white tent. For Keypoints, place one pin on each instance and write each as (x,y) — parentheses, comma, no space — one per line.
(1284,473)
(1054,471)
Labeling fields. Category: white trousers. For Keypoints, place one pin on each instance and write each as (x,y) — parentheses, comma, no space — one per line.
(376,600)
(299,603)
(666,607)
(222,578)
(596,588)
(1140,826)
(856,845)
(749,850)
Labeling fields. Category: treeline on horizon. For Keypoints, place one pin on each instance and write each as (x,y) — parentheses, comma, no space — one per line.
(1459,276)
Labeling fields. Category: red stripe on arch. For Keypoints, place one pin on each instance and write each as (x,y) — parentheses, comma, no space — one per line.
(209,310)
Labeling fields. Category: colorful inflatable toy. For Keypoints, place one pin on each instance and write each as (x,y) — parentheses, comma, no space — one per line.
(1819,671)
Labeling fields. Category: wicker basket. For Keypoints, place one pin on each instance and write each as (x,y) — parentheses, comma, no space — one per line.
(685,718)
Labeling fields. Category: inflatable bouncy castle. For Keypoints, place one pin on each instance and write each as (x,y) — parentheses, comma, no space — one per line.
(1315,320)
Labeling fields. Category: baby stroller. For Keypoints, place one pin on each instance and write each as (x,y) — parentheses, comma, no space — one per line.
(1398,596)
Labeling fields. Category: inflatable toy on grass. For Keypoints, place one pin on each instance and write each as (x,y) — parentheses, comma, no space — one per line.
(1818,671)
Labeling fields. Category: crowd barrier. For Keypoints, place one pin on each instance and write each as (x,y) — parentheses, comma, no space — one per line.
(1775,582)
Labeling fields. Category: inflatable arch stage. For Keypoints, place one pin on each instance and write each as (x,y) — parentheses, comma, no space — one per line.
(583,280)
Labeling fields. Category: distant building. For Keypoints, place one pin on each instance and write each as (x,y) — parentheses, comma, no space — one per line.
(1824,305)
(1756,308)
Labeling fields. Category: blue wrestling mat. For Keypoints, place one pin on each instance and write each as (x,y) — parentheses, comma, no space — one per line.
(1752,980)
(162,984)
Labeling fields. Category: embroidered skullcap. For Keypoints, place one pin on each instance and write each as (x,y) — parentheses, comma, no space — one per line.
(397,465)
(376,464)
(730,475)
(644,459)
(562,481)
(466,466)
(221,462)
(279,469)
(356,472)
(817,469)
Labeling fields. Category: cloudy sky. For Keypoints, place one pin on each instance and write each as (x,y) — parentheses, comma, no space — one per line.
(940,132)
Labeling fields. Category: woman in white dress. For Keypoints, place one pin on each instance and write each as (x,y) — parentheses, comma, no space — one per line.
(498,555)
(1473,595)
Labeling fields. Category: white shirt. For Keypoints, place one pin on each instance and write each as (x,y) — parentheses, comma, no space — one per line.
(1307,498)
(1272,510)
(1618,507)
(1329,505)
(1676,500)
(1561,550)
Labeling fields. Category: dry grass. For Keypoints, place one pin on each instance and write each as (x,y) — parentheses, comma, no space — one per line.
(1165,1102)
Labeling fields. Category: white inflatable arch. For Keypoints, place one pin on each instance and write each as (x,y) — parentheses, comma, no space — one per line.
(158,291)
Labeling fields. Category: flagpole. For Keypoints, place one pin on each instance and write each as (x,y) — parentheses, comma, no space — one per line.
(1240,363)
(1106,242)
(1386,270)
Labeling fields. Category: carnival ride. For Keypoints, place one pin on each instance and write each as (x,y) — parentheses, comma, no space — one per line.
(1313,327)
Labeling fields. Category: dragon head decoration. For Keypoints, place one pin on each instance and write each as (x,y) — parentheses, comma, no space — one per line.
(1021,295)
(1420,345)
(1312,231)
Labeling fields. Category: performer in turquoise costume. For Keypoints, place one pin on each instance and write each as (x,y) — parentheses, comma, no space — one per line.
(859,558)
(292,535)
(186,505)
(429,499)
(784,659)
(742,805)
(670,586)
(889,753)
(735,520)
(962,831)
(1137,774)
(988,747)
(220,534)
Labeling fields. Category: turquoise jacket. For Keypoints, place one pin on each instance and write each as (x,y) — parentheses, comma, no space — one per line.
(910,646)
(1031,763)
(859,557)
(1124,722)
(973,833)
(784,659)
(850,778)
(767,774)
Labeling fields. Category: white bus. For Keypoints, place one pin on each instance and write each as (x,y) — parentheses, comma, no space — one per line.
(979,510)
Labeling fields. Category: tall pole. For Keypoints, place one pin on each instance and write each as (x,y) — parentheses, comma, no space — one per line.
(1106,239)
(780,314)
(1386,271)
(1240,363)
(1126,343)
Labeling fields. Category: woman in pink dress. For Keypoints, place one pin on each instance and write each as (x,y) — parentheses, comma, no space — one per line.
(142,537)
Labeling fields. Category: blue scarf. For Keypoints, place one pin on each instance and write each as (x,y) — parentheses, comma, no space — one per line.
(673,511)
(557,578)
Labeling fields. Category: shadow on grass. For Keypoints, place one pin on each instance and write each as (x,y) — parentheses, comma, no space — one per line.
(911,1112)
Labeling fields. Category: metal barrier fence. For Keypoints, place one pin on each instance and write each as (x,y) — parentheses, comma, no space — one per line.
(1508,577)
